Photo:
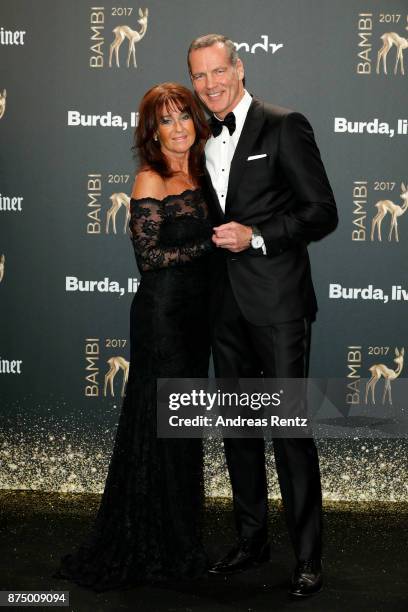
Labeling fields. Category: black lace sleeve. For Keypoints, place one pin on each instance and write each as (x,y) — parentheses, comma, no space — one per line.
(152,237)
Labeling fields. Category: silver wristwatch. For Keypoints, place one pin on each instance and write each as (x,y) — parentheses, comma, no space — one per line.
(257,242)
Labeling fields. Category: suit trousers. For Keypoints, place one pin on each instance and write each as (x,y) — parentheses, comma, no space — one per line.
(243,350)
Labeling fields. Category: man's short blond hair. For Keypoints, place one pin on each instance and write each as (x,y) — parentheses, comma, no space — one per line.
(208,40)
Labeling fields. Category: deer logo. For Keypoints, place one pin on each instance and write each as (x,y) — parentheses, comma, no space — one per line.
(2,262)
(386,206)
(391,39)
(116,364)
(3,103)
(118,199)
(381,370)
(124,31)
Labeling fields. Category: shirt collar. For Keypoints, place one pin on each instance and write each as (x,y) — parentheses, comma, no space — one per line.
(241,109)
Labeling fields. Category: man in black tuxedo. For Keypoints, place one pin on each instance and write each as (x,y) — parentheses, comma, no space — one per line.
(270,197)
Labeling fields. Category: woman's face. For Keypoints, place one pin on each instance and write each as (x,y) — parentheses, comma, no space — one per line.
(175,131)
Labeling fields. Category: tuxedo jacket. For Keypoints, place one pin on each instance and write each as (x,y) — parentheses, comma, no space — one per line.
(285,192)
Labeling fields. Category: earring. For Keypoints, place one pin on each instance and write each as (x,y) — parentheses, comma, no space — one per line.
(155,138)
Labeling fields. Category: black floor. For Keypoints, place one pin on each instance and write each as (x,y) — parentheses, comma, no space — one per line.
(365,561)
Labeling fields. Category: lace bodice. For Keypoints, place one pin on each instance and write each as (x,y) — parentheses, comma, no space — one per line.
(172,231)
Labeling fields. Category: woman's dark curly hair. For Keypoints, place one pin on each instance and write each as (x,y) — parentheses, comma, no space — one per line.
(169,96)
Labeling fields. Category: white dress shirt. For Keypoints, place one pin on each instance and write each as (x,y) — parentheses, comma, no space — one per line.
(219,151)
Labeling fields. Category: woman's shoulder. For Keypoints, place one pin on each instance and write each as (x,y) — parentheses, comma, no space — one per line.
(148,184)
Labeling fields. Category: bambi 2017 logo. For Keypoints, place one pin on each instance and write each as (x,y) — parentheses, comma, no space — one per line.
(381,37)
(372,364)
(377,219)
(104,210)
(2,266)
(3,97)
(123,33)
(103,364)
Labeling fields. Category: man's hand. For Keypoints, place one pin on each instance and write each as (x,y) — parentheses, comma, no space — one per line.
(232,236)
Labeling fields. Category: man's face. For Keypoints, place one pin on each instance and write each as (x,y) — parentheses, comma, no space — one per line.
(216,81)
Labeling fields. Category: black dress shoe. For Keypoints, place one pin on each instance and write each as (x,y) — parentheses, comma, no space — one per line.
(244,555)
(307,578)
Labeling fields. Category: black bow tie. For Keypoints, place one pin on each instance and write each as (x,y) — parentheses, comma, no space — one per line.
(216,124)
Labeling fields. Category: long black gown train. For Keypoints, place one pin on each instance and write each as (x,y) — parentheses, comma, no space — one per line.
(148,524)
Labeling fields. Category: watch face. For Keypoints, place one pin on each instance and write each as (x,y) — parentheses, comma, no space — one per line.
(257,242)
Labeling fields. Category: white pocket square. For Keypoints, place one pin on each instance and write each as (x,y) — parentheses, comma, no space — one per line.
(251,157)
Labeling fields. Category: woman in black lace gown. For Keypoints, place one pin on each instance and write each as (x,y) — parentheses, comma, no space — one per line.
(148,524)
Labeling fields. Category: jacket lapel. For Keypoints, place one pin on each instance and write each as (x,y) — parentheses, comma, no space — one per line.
(252,126)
